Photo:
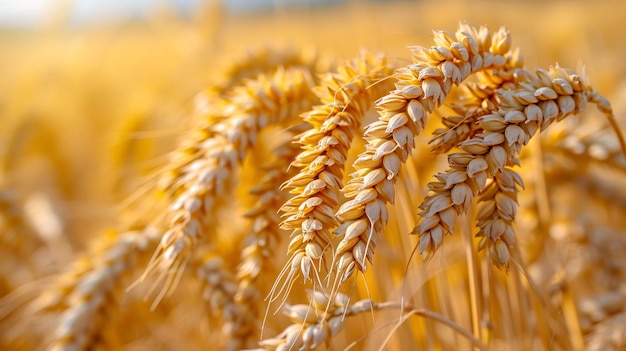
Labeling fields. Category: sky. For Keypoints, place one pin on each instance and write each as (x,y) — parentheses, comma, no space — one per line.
(29,13)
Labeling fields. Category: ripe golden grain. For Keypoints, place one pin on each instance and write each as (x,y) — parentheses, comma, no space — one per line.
(216,208)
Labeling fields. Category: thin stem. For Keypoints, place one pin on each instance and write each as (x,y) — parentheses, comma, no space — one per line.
(487,332)
(570,312)
(618,131)
(548,321)
(411,310)
(604,106)
(473,276)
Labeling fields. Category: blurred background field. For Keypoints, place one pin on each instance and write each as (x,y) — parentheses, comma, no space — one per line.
(94,94)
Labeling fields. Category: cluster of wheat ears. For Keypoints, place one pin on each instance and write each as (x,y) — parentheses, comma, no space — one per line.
(283,220)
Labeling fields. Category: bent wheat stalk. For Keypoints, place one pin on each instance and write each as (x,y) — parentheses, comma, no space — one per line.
(542,97)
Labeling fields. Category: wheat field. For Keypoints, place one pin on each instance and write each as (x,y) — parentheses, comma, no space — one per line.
(428,175)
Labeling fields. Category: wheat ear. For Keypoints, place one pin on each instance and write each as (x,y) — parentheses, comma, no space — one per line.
(98,283)
(346,96)
(261,242)
(420,88)
(218,287)
(542,97)
(316,323)
(209,172)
